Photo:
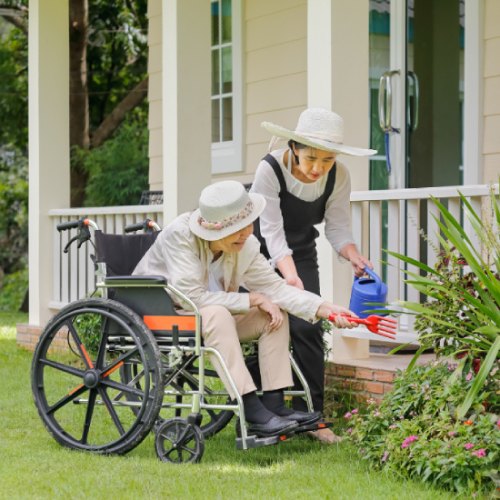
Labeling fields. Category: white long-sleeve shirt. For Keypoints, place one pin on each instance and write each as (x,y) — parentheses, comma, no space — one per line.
(187,263)
(337,212)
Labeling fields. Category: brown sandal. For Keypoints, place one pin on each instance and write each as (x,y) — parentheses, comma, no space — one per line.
(325,436)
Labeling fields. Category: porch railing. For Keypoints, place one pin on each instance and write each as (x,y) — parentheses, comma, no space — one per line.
(73,276)
(403,221)
(388,219)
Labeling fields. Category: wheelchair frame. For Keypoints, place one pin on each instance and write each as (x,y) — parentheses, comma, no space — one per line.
(139,327)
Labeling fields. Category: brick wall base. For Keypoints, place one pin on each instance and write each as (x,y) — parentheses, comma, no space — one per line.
(359,383)
(27,335)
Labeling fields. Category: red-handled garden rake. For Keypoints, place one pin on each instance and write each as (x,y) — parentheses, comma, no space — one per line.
(381,325)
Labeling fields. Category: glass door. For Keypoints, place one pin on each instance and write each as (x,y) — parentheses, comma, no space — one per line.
(416,92)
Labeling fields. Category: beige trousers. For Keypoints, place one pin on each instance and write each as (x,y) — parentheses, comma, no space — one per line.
(223,331)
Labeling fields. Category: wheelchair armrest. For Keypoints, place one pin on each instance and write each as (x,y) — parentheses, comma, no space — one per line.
(136,280)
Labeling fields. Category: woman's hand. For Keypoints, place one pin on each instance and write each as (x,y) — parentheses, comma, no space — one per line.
(327,308)
(295,281)
(264,304)
(286,267)
(358,261)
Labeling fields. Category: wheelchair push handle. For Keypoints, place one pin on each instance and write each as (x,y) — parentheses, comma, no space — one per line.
(64,226)
(147,225)
(83,231)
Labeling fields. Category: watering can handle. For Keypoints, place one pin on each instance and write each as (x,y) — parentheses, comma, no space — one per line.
(374,276)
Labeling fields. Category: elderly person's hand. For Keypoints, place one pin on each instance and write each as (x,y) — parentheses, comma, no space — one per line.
(264,304)
(327,308)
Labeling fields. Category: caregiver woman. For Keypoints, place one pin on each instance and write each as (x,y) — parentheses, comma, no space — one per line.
(304,185)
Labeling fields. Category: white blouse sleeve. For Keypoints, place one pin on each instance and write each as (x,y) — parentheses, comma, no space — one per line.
(271,220)
(338,213)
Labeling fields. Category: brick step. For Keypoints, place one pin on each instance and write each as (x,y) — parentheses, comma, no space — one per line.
(368,378)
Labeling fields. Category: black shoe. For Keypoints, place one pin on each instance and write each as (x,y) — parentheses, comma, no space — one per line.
(303,417)
(274,426)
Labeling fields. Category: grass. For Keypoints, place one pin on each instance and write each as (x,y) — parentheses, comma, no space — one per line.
(33,465)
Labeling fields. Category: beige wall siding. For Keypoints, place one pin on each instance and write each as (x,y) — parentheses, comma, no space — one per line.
(491,139)
(154,95)
(275,80)
(275,47)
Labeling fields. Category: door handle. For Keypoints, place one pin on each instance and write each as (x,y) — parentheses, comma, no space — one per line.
(413,100)
(385,101)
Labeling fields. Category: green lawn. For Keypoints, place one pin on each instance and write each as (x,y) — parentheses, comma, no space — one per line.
(33,465)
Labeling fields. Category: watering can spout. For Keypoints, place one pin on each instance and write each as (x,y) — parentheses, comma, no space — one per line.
(367,293)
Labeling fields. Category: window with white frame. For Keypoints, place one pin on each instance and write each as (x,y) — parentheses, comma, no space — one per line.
(226,86)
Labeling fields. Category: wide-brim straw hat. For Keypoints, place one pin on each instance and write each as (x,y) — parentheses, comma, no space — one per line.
(320,129)
(225,208)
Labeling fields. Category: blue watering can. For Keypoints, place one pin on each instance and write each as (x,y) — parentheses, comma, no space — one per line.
(367,290)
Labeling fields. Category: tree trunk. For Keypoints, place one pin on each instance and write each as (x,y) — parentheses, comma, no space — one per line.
(79,99)
(114,119)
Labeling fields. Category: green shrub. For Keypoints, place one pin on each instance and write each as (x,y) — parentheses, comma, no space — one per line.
(89,329)
(118,170)
(13,210)
(462,315)
(414,433)
(13,290)
(441,424)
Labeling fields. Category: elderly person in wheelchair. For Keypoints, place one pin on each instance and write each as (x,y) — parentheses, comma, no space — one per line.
(209,255)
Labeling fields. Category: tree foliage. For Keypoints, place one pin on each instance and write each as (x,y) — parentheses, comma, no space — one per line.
(13,210)
(108,87)
(111,40)
(118,170)
(116,54)
(13,86)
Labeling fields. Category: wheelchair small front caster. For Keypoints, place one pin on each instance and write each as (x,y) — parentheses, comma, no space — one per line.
(177,441)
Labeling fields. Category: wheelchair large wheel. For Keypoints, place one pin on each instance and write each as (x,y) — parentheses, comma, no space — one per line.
(75,378)
(178,391)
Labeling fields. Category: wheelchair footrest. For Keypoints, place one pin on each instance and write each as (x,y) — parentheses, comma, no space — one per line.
(257,442)
(313,427)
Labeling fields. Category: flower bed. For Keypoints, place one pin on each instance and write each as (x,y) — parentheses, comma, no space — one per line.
(415,433)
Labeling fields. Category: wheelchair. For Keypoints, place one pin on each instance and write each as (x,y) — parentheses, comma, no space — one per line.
(109,369)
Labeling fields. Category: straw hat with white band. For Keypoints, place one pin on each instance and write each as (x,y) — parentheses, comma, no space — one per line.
(320,129)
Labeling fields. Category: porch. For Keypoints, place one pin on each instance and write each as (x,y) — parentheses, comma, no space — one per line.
(386,219)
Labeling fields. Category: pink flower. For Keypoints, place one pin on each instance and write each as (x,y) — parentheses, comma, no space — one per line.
(385,456)
(452,433)
(376,413)
(468,376)
(468,446)
(408,441)
(349,431)
(498,423)
(479,453)
(348,415)
(354,411)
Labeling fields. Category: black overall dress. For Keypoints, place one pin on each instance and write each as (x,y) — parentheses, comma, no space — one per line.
(299,218)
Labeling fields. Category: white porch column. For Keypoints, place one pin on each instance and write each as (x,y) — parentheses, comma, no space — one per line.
(186,104)
(337,79)
(49,184)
